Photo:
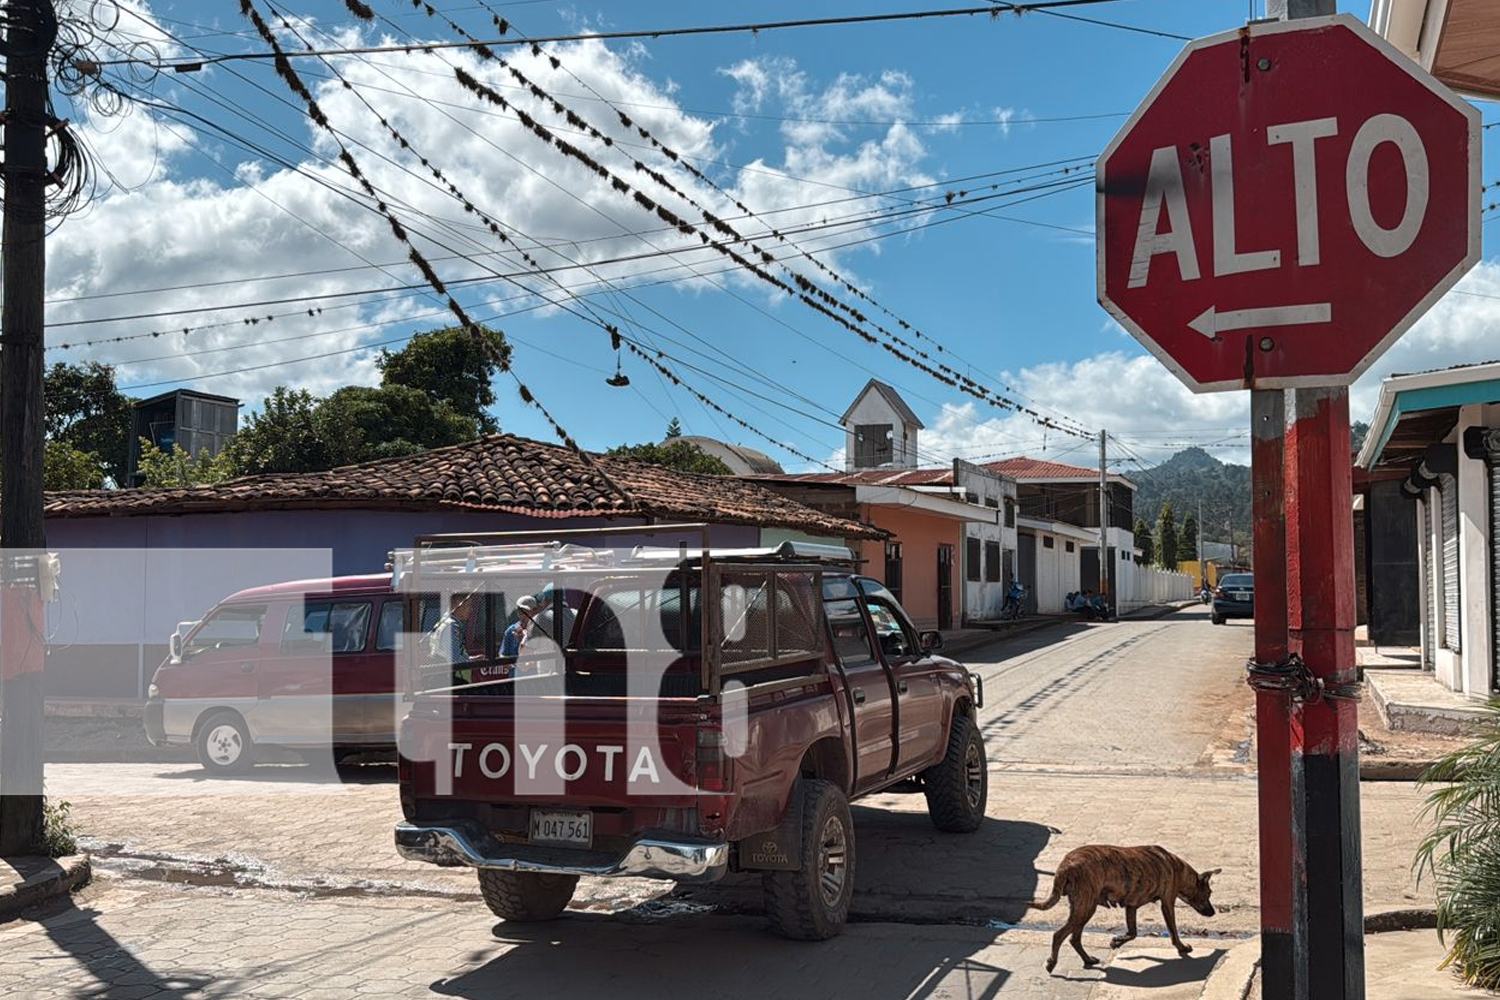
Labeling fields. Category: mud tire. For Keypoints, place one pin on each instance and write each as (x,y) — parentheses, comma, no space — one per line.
(525,897)
(813,904)
(958,786)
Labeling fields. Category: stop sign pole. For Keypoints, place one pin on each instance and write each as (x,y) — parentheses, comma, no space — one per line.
(1286,202)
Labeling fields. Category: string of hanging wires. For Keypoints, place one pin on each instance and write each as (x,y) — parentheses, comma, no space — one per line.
(276,54)
(618,342)
(721,225)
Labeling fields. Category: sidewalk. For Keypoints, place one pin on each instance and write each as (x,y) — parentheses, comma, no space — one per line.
(1399,965)
(27,881)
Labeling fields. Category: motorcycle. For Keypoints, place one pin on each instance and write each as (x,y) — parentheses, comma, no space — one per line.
(1205,595)
(1015,597)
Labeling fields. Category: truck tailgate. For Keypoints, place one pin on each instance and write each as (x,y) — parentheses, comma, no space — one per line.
(585,752)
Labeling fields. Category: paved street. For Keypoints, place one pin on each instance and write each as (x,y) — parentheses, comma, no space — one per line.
(282,885)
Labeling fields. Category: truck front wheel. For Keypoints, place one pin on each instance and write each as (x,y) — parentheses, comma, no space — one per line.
(958,786)
(525,897)
(812,904)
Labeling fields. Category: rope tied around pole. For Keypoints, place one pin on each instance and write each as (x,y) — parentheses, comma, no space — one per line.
(1293,678)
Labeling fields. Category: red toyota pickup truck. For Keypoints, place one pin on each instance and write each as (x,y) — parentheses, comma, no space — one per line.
(673,712)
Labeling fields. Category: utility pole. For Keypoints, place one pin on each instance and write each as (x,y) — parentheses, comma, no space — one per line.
(1198,544)
(30,29)
(1104,564)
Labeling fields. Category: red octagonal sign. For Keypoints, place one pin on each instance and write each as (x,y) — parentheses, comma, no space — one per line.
(1284,204)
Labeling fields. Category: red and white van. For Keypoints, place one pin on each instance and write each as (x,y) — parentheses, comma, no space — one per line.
(309,664)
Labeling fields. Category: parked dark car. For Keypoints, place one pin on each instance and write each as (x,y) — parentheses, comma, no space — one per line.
(1234,597)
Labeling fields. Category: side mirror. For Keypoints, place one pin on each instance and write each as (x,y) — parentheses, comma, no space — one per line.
(931,641)
(174,647)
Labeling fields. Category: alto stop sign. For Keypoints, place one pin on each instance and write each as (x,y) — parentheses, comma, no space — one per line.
(1288,199)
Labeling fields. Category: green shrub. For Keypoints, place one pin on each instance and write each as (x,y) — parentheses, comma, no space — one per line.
(58,839)
(1463,854)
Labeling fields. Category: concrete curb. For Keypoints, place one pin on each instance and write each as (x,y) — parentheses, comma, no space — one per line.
(53,880)
(996,635)
(1392,770)
(1232,978)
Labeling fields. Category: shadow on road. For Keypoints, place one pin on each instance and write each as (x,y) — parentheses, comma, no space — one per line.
(1146,971)
(906,871)
(315,772)
(595,956)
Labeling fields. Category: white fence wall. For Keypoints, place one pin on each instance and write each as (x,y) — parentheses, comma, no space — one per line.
(1140,586)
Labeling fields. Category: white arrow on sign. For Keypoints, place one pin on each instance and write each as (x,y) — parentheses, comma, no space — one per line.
(1211,322)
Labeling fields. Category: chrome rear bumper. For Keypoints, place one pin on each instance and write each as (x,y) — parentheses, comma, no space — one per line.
(467,843)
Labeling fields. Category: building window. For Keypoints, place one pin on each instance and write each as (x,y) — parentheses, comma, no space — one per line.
(971,559)
(1010,512)
(992,562)
(1048,542)
(1070,546)
(872,445)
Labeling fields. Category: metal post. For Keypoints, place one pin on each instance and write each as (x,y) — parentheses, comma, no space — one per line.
(1320,575)
(1104,564)
(30,31)
(1283,935)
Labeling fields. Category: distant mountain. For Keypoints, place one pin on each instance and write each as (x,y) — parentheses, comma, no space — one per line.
(1189,477)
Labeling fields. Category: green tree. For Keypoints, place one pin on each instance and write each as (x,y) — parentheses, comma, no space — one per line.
(392,420)
(158,467)
(1144,541)
(1187,542)
(452,366)
(674,428)
(291,434)
(680,455)
(65,467)
(1166,537)
(87,413)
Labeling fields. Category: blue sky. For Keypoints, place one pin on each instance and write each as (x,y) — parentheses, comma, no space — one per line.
(221,185)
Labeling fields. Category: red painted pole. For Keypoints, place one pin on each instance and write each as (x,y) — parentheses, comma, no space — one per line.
(1283,936)
(1320,565)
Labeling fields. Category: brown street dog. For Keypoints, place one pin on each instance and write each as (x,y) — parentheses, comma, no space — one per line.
(1099,875)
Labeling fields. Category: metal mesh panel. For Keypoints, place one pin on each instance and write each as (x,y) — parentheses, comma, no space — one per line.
(796,615)
(745,613)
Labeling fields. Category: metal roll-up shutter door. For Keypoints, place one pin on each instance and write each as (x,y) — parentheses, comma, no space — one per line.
(1494,573)
(1429,583)
(1448,490)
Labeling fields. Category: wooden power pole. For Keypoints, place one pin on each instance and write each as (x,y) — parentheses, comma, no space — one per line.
(30,29)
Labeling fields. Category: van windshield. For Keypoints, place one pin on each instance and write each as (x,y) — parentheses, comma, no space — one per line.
(226,628)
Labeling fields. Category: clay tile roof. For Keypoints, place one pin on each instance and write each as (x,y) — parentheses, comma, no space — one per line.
(1037,468)
(501,473)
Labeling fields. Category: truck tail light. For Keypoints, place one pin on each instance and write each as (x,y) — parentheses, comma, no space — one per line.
(714,764)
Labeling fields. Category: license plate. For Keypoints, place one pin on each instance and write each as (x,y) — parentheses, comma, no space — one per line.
(1241,595)
(575,829)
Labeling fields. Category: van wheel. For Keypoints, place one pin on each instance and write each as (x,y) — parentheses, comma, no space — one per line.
(1216,619)
(224,745)
(958,786)
(525,896)
(813,904)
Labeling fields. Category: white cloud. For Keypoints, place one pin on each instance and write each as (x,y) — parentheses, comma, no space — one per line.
(215,239)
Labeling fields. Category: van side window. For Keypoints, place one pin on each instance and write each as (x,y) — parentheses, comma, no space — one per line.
(232,626)
(392,624)
(327,628)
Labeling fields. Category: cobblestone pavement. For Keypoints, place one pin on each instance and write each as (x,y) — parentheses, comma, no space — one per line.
(278,884)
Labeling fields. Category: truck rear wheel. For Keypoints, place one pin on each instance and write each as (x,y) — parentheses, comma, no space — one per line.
(525,896)
(958,786)
(812,904)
